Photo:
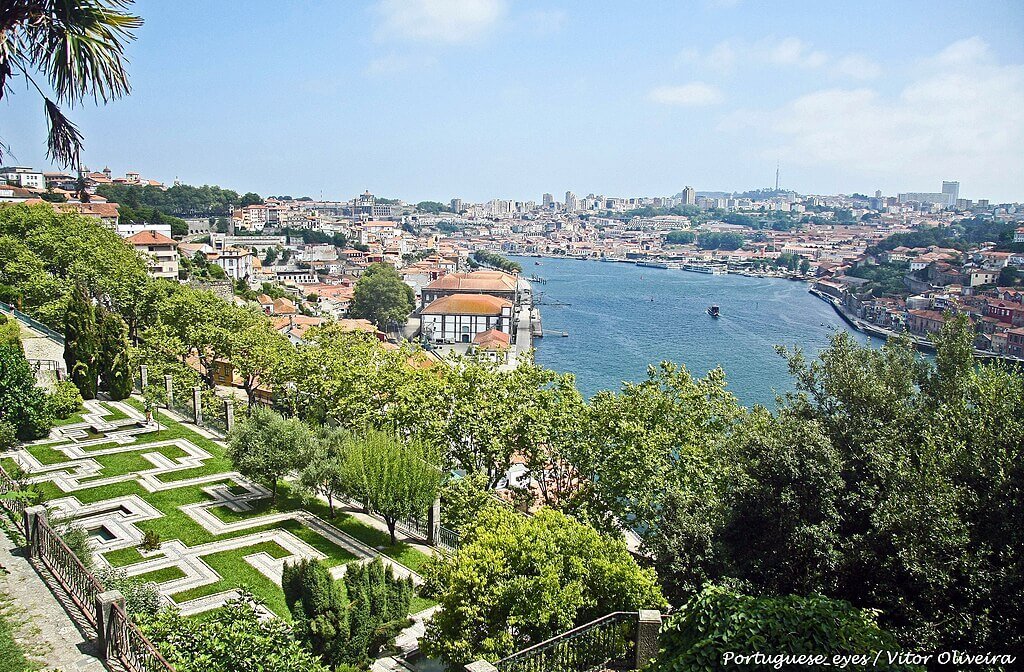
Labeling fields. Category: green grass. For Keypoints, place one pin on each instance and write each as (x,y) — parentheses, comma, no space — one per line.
(418,604)
(161,575)
(123,556)
(13,656)
(235,572)
(72,419)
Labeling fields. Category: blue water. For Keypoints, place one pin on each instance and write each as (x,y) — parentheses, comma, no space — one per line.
(623,318)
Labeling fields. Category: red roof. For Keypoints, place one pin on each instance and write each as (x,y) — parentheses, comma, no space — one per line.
(467,304)
(148,237)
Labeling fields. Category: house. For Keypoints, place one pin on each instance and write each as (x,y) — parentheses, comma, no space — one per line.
(492,344)
(923,322)
(23,177)
(236,262)
(1015,342)
(982,276)
(459,318)
(494,283)
(106,213)
(162,251)
(13,194)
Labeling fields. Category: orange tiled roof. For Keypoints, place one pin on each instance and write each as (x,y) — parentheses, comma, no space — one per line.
(148,237)
(492,339)
(477,281)
(467,304)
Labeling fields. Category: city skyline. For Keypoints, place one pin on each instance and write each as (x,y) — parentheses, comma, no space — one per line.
(481,99)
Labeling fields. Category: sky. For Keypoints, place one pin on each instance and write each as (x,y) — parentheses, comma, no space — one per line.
(481,99)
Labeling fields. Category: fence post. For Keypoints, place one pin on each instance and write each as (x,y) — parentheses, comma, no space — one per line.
(229,414)
(480,666)
(648,628)
(32,516)
(104,606)
(197,404)
(169,384)
(143,377)
(434,522)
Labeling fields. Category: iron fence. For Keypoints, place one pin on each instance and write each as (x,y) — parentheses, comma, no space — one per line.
(65,566)
(16,505)
(413,527)
(214,412)
(32,322)
(447,539)
(130,646)
(608,643)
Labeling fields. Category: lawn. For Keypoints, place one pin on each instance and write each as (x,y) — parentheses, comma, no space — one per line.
(12,655)
(162,575)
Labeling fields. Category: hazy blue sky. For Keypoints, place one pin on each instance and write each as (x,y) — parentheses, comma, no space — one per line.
(434,99)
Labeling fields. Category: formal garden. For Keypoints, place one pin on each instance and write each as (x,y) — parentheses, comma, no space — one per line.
(162,502)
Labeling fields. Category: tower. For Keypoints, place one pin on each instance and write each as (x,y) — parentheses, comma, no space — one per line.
(776,176)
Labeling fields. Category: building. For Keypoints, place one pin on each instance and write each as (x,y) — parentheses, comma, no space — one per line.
(925,198)
(547,201)
(128,229)
(106,213)
(236,262)
(13,194)
(456,205)
(1015,342)
(162,251)
(572,203)
(459,318)
(23,177)
(492,344)
(689,196)
(1018,235)
(923,322)
(494,283)
(952,192)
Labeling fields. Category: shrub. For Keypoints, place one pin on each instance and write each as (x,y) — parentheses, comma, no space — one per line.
(77,539)
(140,597)
(65,399)
(150,540)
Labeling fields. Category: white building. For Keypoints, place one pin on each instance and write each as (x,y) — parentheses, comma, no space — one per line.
(129,229)
(23,177)
(459,318)
(161,250)
(236,262)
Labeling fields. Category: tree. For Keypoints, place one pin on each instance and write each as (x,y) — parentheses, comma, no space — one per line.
(395,477)
(381,297)
(680,237)
(234,638)
(717,625)
(255,352)
(805,266)
(517,581)
(81,346)
(112,361)
(250,199)
(78,48)
(266,446)
(24,408)
(324,470)
(319,608)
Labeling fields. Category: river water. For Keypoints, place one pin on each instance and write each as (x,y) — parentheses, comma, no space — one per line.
(624,317)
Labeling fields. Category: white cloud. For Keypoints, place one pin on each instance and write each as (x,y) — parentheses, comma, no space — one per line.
(694,94)
(545,21)
(727,56)
(438,21)
(961,116)
(857,66)
(392,64)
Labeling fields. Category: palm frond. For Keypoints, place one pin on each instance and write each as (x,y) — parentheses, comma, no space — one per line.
(79,45)
(64,142)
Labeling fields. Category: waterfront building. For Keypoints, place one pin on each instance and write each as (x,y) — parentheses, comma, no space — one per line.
(459,318)
(492,344)
(494,283)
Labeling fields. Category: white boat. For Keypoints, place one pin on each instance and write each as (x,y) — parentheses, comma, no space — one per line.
(710,269)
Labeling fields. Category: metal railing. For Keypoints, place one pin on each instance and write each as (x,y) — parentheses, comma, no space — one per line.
(413,527)
(131,647)
(606,643)
(65,566)
(14,506)
(32,322)
(447,539)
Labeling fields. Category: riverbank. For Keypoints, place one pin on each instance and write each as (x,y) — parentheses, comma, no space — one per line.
(919,343)
(680,264)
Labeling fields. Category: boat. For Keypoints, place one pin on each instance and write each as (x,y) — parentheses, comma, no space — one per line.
(713,311)
(710,269)
(536,263)
(652,264)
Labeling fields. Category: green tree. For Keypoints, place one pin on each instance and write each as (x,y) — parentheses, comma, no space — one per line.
(393,476)
(680,237)
(718,624)
(78,48)
(265,447)
(10,331)
(323,472)
(319,608)
(255,352)
(24,408)
(519,580)
(81,344)
(381,297)
(112,357)
(250,198)
(234,638)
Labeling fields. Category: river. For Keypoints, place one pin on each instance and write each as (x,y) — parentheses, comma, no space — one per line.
(621,318)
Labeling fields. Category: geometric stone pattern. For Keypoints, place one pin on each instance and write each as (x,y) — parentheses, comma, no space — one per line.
(113,522)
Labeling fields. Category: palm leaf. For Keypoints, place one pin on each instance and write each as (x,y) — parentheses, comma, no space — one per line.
(64,142)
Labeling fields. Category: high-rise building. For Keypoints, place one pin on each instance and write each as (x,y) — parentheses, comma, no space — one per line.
(952,192)
(689,196)
(571,202)
(547,201)
(456,204)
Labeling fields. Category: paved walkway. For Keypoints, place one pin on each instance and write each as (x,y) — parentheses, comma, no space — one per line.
(52,636)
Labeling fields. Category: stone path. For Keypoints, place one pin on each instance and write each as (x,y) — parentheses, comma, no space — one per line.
(56,639)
